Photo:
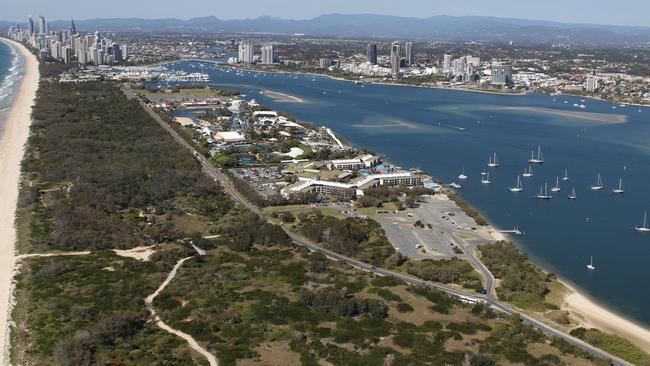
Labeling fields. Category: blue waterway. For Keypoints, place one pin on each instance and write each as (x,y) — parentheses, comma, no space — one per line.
(402,124)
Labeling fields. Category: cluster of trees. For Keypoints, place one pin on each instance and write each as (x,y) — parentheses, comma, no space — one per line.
(247,229)
(446,271)
(332,301)
(520,278)
(352,236)
(113,158)
(377,196)
(79,350)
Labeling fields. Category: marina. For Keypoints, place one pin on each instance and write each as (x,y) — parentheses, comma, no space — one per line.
(395,121)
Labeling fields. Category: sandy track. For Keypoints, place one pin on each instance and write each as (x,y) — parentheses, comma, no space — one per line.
(188,338)
(12,144)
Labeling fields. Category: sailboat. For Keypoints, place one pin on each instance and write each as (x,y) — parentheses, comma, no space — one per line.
(557,185)
(543,193)
(590,266)
(528,173)
(486,178)
(536,160)
(644,228)
(462,175)
(493,162)
(573,196)
(518,187)
(619,189)
(599,184)
(566,175)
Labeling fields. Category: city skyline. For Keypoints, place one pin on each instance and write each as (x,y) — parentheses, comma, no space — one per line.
(580,11)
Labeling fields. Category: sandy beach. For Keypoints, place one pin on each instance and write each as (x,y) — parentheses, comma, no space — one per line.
(592,315)
(282,97)
(12,143)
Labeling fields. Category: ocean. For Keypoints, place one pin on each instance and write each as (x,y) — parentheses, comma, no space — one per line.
(444,131)
(11,69)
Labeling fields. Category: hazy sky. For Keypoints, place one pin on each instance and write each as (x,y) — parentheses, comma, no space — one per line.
(625,12)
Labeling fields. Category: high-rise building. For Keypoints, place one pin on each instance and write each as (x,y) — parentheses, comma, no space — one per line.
(73,28)
(372,53)
(42,26)
(395,58)
(446,62)
(592,84)
(410,54)
(268,54)
(501,74)
(30,25)
(117,52)
(325,63)
(246,52)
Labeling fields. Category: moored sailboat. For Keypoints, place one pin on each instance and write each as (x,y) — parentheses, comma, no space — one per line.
(644,228)
(518,187)
(599,184)
(557,185)
(536,160)
(528,173)
(543,192)
(566,175)
(573,196)
(493,162)
(619,189)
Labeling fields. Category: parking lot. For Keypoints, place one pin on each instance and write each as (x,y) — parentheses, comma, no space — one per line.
(266,180)
(447,230)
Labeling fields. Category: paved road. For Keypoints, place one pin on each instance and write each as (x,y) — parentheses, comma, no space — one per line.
(488,298)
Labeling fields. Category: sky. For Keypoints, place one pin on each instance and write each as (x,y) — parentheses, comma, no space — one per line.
(621,12)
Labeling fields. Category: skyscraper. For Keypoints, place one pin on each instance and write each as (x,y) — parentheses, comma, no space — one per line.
(246,52)
(268,54)
(446,62)
(372,53)
(73,28)
(501,74)
(395,58)
(30,25)
(42,27)
(410,54)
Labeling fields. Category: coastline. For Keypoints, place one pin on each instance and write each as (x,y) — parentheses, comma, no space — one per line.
(590,314)
(12,144)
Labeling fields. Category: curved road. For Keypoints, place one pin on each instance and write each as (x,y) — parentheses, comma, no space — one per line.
(488,298)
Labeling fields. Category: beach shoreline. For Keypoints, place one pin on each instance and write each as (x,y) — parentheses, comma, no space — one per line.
(590,314)
(12,144)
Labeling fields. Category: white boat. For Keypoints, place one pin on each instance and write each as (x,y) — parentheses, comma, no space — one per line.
(573,196)
(462,175)
(557,185)
(518,187)
(486,178)
(644,228)
(543,193)
(455,185)
(590,266)
(493,162)
(566,175)
(536,160)
(619,189)
(528,173)
(599,184)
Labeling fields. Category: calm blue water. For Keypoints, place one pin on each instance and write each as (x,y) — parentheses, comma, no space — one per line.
(411,128)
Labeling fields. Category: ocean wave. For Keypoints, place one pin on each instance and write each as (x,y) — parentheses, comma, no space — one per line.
(10,80)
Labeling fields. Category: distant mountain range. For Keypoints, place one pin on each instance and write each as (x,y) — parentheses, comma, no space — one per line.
(440,27)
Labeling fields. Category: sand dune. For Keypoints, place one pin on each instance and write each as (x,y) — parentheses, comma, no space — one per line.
(12,144)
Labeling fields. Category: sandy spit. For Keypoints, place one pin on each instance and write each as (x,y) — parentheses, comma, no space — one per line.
(12,143)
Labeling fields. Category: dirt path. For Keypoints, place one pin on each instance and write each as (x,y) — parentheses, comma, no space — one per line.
(188,338)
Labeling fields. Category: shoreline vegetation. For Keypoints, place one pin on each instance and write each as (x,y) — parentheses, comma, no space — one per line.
(16,131)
